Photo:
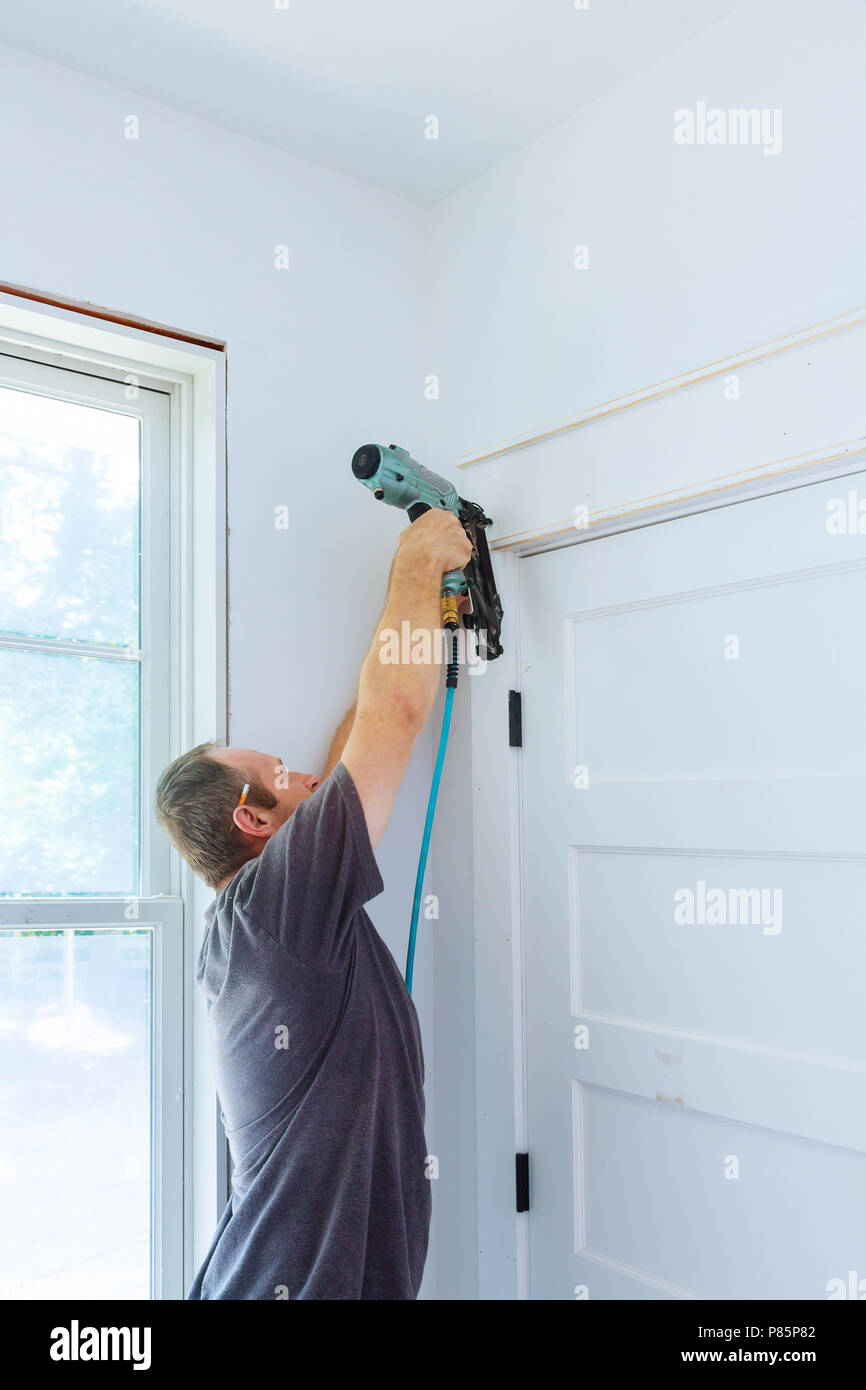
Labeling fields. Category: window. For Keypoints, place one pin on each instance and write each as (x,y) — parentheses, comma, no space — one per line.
(91,940)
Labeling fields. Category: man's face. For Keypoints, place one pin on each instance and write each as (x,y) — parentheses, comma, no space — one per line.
(290,788)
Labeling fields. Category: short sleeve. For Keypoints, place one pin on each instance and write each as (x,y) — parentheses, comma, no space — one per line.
(315,874)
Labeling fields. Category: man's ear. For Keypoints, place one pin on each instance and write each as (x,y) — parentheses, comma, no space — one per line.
(251,822)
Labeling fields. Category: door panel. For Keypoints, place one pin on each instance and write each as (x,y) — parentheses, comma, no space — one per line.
(694,866)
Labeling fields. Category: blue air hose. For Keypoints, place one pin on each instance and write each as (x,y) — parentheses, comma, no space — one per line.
(431,810)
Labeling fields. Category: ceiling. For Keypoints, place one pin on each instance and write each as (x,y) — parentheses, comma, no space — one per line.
(349,83)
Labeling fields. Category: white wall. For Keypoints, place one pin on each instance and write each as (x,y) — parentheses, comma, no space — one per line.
(180,227)
(696,253)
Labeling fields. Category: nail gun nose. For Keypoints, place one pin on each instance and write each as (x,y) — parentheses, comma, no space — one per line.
(366,460)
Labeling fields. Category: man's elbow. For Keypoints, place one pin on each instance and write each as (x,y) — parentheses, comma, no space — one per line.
(405,711)
(391,714)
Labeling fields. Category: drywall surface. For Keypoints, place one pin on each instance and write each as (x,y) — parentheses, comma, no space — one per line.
(605,257)
(181,226)
(611,255)
(451,933)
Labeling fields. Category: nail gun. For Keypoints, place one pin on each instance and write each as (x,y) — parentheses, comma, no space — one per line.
(393,476)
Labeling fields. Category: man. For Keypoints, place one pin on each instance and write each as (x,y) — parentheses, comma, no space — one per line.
(317,1049)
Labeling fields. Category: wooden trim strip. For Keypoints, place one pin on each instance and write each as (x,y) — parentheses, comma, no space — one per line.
(849,447)
(110,316)
(665,388)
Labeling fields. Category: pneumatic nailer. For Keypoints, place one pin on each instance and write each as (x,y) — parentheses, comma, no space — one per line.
(393,476)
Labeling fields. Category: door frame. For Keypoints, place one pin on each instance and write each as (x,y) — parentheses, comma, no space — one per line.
(500,1013)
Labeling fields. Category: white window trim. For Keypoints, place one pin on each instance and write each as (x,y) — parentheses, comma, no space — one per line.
(199,685)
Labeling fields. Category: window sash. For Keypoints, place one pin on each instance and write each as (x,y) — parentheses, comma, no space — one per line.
(165,917)
(152,406)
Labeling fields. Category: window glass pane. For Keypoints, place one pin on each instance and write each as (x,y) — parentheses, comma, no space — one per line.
(69,520)
(69,767)
(75,1033)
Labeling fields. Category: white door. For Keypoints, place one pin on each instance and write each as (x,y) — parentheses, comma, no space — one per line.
(695,915)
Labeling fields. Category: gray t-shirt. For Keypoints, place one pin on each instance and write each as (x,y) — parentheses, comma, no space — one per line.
(319,1071)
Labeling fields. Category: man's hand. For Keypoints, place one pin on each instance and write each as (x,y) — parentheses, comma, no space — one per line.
(464,602)
(436,537)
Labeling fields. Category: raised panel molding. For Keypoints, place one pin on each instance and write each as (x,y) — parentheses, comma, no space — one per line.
(761,420)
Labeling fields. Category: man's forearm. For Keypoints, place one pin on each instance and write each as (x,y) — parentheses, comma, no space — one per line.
(406,687)
(395,693)
(417,601)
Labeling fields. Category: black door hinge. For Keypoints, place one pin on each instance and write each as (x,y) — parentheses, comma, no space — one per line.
(521,1176)
(515,719)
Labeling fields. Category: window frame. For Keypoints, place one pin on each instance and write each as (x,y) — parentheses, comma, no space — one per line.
(171,572)
(196,366)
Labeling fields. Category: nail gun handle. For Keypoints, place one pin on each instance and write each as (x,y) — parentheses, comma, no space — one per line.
(454,582)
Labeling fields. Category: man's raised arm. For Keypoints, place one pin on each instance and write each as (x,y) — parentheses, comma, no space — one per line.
(395,698)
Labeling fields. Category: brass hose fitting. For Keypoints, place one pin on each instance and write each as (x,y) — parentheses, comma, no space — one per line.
(449,611)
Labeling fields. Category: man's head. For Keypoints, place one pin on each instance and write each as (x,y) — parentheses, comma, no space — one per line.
(198,805)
